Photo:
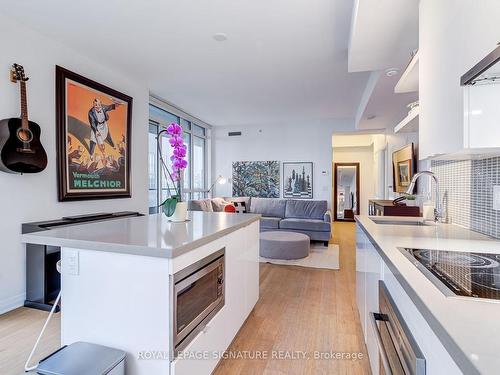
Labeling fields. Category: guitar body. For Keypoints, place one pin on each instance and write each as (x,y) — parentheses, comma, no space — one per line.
(17,156)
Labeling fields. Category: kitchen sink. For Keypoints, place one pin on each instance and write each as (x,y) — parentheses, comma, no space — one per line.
(401,222)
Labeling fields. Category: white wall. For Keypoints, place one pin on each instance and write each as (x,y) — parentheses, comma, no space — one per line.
(34,197)
(309,141)
(363,156)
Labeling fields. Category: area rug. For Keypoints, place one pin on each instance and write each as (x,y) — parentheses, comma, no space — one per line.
(320,256)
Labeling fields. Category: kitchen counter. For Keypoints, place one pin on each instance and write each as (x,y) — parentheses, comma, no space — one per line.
(468,328)
(119,286)
(152,235)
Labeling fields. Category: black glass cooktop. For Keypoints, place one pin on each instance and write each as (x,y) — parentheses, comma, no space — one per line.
(461,273)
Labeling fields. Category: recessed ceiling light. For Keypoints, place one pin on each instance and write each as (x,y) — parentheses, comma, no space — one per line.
(391,72)
(220,37)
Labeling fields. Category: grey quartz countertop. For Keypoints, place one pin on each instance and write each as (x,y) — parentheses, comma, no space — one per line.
(456,321)
(152,235)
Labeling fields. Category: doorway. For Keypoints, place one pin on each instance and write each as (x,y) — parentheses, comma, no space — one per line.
(346,191)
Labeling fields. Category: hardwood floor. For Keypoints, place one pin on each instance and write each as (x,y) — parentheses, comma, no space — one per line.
(19,330)
(304,309)
(300,309)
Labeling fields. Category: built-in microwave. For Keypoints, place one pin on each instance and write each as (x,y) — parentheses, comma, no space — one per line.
(198,294)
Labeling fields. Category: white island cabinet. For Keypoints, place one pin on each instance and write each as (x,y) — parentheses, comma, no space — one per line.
(118,286)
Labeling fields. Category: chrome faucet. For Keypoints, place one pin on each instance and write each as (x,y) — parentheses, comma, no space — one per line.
(438,210)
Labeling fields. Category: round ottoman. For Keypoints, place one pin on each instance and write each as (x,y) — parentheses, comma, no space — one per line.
(284,245)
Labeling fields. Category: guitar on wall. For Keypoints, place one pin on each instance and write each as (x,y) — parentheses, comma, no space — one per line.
(20,148)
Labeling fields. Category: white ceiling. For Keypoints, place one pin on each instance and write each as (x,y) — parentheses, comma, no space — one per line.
(388,107)
(383,32)
(383,35)
(283,60)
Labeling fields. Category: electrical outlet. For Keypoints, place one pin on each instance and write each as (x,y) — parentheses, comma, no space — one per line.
(71,262)
(496,197)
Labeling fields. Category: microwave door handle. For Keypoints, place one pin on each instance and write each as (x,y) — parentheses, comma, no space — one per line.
(374,317)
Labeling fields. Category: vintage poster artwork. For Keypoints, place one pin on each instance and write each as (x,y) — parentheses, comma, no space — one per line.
(256,179)
(298,180)
(94,144)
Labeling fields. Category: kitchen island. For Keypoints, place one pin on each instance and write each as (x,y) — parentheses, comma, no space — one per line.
(455,334)
(132,284)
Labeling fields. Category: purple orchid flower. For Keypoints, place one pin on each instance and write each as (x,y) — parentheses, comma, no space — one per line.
(174,129)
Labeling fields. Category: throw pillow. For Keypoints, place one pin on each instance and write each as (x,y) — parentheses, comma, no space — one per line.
(229,208)
(218,204)
(240,207)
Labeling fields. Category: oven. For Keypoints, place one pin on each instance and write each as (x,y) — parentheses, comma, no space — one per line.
(398,351)
(198,294)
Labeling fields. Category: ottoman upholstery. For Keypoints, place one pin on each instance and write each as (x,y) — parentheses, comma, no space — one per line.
(284,245)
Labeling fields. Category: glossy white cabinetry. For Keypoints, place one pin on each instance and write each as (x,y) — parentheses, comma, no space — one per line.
(125,301)
(242,293)
(437,360)
(369,269)
(453,37)
(482,115)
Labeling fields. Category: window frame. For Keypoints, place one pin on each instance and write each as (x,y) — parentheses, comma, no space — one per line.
(186,193)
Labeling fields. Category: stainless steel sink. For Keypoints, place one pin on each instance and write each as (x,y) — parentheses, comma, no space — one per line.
(401,222)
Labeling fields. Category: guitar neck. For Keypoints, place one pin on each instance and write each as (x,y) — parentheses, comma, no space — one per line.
(24,106)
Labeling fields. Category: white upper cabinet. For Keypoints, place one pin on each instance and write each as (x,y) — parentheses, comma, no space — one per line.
(453,37)
(482,115)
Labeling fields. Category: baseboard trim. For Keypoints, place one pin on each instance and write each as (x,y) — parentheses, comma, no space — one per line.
(11,303)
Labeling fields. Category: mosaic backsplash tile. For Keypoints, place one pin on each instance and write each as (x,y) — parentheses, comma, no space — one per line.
(467,190)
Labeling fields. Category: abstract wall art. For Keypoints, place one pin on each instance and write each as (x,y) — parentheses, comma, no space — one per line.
(256,179)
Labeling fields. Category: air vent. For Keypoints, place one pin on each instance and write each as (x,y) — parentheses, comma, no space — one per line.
(234,134)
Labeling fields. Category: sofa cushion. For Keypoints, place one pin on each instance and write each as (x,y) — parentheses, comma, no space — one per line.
(218,204)
(246,200)
(305,224)
(269,222)
(306,209)
(272,207)
(201,205)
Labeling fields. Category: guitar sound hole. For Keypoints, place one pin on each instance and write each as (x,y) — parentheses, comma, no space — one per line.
(24,135)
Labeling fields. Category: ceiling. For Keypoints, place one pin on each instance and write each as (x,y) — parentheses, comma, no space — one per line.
(383,35)
(282,60)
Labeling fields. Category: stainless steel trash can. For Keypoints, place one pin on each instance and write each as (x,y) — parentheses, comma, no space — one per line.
(83,358)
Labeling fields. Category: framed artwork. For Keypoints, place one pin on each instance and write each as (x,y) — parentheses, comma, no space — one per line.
(256,179)
(403,162)
(93,139)
(298,180)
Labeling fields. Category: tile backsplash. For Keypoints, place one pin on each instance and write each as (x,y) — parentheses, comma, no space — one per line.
(467,192)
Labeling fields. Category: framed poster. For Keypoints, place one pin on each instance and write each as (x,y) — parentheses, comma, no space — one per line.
(403,168)
(298,180)
(93,139)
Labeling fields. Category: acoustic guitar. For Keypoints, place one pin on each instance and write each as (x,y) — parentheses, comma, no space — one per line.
(20,148)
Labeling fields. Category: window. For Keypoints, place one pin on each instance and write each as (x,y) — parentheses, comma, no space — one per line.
(194,181)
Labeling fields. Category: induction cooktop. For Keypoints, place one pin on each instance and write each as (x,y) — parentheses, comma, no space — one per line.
(456,273)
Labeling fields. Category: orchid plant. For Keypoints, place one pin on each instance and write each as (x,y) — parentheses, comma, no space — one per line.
(179,164)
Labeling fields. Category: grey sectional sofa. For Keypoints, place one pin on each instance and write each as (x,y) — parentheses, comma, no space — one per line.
(310,217)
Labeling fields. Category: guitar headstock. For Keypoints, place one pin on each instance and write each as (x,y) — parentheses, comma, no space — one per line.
(17,73)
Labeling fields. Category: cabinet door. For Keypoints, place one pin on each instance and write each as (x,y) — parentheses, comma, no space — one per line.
(361,241)
(373,275)
(482,112)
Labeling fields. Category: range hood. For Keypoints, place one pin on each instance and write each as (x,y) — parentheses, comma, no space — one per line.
(485,71)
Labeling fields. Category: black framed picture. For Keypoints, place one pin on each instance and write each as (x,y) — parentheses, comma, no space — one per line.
(93,139)
(298,180)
